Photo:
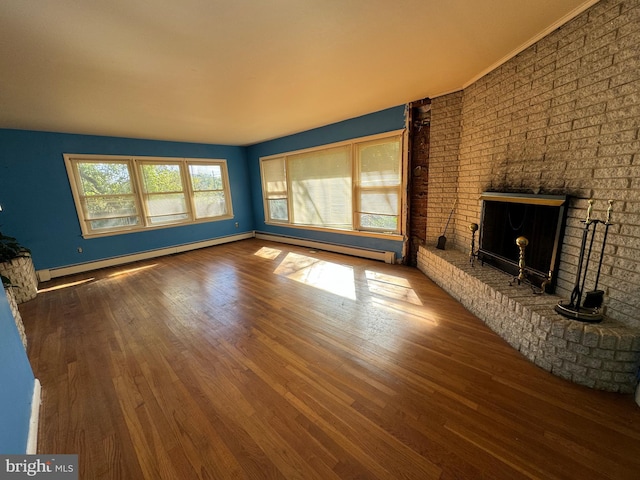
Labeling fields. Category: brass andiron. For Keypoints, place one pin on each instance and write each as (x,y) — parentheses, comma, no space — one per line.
(472,254)
(547,281)
(522,243)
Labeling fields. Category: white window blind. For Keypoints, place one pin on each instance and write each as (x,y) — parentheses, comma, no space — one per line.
(354,185)
(275,189)
(380,179)
(321,188)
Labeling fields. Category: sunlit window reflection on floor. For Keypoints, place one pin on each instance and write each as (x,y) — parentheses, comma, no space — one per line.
(268,253)
(65,285)
(132,270)
(327,276)
(390,286)
(417,313)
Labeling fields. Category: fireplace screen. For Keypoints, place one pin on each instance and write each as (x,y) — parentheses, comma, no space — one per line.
(538,218)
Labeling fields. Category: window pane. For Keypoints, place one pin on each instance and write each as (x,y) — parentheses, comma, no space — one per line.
(275,178)
(385,202)
(167,219)
(108,223)
(210,204)
(278,209)
(333,186)
(161,178)
(206,177)
(110,206)
(321,188)
(98,178)
(166,208)
(380,163)
(386,223)
(165,200)
(107,195)
(114,194)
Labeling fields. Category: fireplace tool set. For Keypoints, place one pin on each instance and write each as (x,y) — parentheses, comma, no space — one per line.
(590,309)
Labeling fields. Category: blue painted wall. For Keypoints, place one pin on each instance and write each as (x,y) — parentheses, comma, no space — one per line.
(378,122)
(38,203)
(16,385)
(38,209)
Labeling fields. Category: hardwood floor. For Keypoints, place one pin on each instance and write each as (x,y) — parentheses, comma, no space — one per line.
(261,360)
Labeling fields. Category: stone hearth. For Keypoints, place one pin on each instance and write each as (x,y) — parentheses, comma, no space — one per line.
(603,356)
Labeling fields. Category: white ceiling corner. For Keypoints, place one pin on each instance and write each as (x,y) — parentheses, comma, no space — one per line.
(242,72)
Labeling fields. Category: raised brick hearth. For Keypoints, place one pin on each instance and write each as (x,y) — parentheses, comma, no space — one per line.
(604,356)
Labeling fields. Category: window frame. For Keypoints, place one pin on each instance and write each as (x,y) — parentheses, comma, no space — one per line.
(134,165)
(356,189)
(359,189)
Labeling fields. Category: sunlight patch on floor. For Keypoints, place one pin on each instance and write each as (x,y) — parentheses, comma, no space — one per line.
(390,286)
(419,313)
(327,276)
(268,253)
(65,285)
(131,270)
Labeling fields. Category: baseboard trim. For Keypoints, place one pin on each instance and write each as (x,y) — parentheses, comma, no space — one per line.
(34,421)
(48,274)
(387,257)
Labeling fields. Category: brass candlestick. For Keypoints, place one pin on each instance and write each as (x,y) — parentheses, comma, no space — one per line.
(472,254)
(522,243)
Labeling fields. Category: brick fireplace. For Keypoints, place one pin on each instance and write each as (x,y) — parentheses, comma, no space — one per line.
(560,118)
(603,356)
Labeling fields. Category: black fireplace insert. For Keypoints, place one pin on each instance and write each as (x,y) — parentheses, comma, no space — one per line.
(538,218)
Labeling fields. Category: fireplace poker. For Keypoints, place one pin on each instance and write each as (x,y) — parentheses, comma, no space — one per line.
(442,240)
(576,294)
(586,265)
(594,298)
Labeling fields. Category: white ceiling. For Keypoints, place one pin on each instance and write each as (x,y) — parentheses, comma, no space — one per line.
(240,72)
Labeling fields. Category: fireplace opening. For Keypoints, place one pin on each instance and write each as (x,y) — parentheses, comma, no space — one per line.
(538,218)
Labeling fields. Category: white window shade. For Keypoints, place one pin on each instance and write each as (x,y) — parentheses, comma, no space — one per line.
(354,185)
(379,181)
(379,163)
(274,178)
(321,188)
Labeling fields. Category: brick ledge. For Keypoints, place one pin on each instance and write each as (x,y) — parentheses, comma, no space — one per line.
(603,356)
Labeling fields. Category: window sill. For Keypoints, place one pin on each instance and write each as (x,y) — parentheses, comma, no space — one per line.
(354,233)
(89,236)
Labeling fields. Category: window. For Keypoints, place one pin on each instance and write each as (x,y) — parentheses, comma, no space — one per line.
(378,187)
(122,194)
(354,185)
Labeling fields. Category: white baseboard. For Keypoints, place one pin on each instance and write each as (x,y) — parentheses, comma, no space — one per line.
(32,439)
(387,257)
(48,274)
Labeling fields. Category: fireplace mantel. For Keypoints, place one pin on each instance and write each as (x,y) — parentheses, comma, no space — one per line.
(605,356)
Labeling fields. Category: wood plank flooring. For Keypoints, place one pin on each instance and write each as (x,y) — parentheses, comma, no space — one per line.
(262,360)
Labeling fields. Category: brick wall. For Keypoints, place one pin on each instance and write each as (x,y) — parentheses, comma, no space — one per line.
(562,117)
(444,142)
(418,176)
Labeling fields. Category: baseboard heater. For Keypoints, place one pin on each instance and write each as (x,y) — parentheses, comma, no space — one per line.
(387,257)
(44,275)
